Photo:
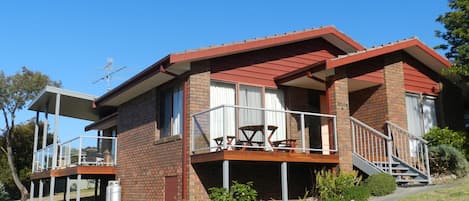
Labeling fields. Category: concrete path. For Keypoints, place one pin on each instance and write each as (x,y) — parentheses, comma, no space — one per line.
(402,192)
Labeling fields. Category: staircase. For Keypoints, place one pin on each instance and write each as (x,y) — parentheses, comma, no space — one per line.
(399,153)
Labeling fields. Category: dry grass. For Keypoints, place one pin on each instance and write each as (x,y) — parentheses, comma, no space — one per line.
(457,191)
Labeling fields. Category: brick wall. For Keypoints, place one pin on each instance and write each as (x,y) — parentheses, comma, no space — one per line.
(337,92)
(394,89)
(141,164)
(199,100)
(368,106)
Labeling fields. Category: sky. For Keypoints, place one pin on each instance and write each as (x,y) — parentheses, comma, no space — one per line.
(71,41)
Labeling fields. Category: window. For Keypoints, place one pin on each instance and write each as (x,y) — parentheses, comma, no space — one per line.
(421,113)
(171,112)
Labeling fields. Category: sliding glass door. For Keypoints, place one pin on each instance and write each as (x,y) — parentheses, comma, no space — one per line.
(421,117)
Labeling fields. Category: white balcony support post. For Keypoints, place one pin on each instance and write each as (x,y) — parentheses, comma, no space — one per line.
(390,144)
(67,190)
(36,132)
(78,186)
(56,129)
(51,189)
(79,150)
(266,131)
(44,134)
(224,144)
(284,175)
(226,174)
(41,189)
(31,191)
(354,143)
(303,143)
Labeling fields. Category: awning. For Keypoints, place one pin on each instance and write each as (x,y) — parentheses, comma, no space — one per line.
(72,104)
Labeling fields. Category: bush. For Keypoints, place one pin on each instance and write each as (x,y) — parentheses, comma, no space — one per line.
(438,136)
(356,193)
(332,186)
(3,194)
(380,184)
(445,159)
(237,192)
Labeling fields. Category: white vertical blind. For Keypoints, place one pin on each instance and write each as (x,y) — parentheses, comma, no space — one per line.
(274,100)
(429,113)
(414,115)
(222,94)
(251,97)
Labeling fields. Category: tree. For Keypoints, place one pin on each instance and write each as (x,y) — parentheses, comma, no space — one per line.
(456,23)
(15,91)
(22,148)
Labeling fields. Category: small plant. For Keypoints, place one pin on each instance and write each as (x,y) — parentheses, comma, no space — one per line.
(356,193)
(380,184)
(438,136)
(237,192)
(331,186)
(3,194)
(445,159)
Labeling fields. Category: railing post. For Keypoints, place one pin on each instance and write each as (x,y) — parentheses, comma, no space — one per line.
(192,135)
(115,150)
(352,125)
(266,127)
(427,164)
(60,160)
(334,119)
(390,154)
(225,146)
(303,143)
(79,150)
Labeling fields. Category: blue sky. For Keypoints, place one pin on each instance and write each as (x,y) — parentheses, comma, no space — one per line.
(71,40)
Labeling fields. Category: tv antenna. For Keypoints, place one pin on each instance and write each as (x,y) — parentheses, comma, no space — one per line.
(109,72)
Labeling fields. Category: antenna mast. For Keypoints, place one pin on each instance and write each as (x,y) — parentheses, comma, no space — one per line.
(109,73)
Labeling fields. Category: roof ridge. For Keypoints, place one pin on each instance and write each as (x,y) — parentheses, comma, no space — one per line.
(375,47)
(257,39)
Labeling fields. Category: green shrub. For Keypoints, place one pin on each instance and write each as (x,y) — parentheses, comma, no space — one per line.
(332,186)
(380,184)
(3,194)
(438,136)
(445,159)
(237,192)
(356,193)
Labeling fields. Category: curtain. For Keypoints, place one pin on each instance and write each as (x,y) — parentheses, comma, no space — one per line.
(177,111)
(251,97)
(429,113)
(274,100)
(222,94)
(166,114)
(414,115)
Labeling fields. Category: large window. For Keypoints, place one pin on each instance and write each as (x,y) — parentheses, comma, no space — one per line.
(171,111)
(248,96)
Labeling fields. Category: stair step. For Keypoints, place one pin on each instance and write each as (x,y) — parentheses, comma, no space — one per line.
(395,168)
(404,174)
(386,163)
(411,181)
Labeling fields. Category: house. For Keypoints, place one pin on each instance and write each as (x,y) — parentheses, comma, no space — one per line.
(271,110)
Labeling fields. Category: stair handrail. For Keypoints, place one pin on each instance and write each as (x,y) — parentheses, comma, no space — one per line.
(390,127)
(387,149)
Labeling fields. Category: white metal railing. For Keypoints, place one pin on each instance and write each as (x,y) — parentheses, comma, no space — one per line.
(83,150)
(410,149)
(233,127)
(372,145)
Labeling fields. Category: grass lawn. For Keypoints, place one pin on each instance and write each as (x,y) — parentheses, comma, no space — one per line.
(459,190)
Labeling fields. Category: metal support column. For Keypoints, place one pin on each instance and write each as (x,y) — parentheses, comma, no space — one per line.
(52,189)
(56,128)
(78,187)
(67,190)
(226,174)
(284,174)
(31,191)
(41,189)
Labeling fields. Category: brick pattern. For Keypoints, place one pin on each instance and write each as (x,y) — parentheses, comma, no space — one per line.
(368,106)
(199,100)
(142,164)
(337,92)
(394,90)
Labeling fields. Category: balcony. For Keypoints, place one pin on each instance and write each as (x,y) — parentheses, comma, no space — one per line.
(231,132)
(80,155)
